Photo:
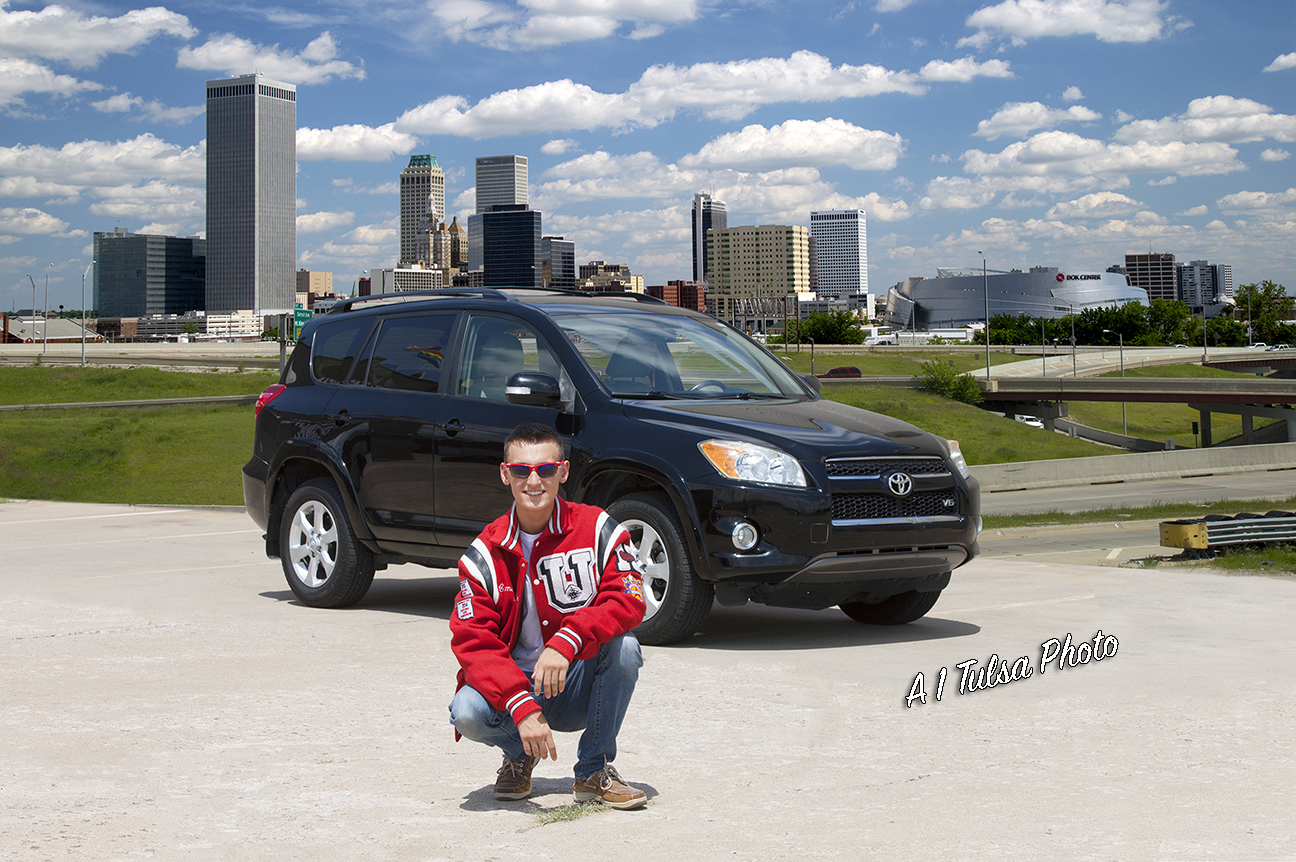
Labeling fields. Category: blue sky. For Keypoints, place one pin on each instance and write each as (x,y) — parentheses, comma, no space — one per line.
(1044,132)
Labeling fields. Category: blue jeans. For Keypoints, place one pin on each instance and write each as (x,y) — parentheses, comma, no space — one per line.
(594,699)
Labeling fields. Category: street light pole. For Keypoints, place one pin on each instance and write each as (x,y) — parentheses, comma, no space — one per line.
(985,289)
(83,311)
(33,282)
(45,312)
(1124,424)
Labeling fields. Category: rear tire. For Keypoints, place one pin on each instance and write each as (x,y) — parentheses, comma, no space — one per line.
(678,600)
(326,566)
(897,610)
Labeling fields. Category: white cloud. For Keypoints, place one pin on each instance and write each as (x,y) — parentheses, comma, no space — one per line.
(1192,212)
(320,222)
(1275,155)
(360,248)
(69,35)
(1108,20)
(1164,181)
(315,64)
(800,143)
(1072,94)
(1096,205)
(546,23)
(152,200)
(892,5)
(558,146)
(728,91)
(353,143)
(964,70)
(30,187)
(1215,118)
(30,221)
(1244,202)
(89,163)
(1283,61)
(152,110)
(1021,118)
(1065,153)
(24,76)
(349,186)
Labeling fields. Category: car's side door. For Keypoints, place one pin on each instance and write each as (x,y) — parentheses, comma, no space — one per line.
(476,417)
(392,397)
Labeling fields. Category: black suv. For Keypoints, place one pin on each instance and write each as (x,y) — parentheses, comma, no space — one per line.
(382,442)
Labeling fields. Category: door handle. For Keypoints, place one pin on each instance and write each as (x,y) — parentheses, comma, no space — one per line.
(453,427)
(340,418)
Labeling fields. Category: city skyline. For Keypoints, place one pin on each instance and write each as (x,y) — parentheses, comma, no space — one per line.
(1006,127)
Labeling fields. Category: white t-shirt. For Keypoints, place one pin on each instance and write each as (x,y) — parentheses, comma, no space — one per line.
(530,642)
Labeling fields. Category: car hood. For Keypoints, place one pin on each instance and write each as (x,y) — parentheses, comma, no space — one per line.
(807,429)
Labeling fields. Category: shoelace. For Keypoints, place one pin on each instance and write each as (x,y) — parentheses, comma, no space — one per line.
(512,767)
(607,775)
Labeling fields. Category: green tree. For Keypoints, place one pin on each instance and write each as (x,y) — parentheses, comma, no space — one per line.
(838,327)
(1268,307)
(940,378)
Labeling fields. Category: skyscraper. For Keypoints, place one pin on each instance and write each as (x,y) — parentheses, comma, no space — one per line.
(762,262)
(510,247)
(501,181)
(708,213)
(422,179)
(841,252)
(558,262)
(1155,273)
(137,275)
(251,195)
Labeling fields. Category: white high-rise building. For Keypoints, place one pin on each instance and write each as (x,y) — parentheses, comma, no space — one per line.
(251,195)
(422,181)
(841,252)
(501,181)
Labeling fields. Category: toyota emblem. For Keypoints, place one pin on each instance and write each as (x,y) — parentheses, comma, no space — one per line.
(900,484)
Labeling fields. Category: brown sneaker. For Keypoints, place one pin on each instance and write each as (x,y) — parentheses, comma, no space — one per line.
(607,787)
(514,778)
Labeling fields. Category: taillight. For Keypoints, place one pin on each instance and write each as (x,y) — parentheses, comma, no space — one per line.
(269,394)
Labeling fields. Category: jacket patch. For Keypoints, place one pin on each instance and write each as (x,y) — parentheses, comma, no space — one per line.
(464,609)
(627,560)
(569,579)
(632,586)
(465,588)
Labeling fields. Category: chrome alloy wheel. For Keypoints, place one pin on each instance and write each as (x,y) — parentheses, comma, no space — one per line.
(652,555)
(312,544)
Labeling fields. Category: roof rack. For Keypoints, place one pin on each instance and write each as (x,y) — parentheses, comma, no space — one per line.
(564,291)
(415,295)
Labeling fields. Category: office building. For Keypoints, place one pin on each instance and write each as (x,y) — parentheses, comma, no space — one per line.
(458,244)
(757,262)
(557,262)
(1202,283)
(501,181)
(136,275)
(251,195)
(1155,273)
(422,184)
(708,213)
(840,258)
(958,296)
(510,246)
(685,294)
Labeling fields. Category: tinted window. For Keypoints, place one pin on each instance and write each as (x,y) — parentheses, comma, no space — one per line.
(334,348)
(496,348)
(407,354)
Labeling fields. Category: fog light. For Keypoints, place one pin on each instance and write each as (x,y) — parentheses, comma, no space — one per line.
(744,536)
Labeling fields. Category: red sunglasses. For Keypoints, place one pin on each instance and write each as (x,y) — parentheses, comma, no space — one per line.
(523,471)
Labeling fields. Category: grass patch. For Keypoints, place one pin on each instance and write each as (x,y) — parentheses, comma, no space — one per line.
(1158,421)
(1276,560)
(54,385)
(1162,512)
(984,437)
(568,813)
(1185,370)
(183,455)
(888,362)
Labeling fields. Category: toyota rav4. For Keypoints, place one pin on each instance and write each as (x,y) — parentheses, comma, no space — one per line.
(738,482)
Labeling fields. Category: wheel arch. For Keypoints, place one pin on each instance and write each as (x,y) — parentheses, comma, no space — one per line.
(299,462)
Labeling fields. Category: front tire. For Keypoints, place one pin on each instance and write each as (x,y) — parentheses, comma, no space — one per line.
(326,566)
(897,610)
(677,600)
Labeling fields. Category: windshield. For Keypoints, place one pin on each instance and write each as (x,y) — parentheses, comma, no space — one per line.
(641,354)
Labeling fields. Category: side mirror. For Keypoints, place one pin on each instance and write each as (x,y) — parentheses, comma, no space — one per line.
(533,388)
(813,382)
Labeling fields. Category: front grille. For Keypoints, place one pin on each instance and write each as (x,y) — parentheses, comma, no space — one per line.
(882,466)
(868,507)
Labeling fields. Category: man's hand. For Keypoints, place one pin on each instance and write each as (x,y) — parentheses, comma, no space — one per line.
(550,674)
(537,738)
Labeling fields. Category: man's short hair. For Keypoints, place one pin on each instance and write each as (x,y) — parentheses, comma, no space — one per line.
(531,433)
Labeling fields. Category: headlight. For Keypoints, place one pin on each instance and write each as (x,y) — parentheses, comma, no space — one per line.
(956,455)
(748,462)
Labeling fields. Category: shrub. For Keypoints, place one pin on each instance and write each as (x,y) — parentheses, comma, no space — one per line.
(941,379)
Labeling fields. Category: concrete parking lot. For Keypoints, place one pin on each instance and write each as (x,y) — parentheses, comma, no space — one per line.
(165,697)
